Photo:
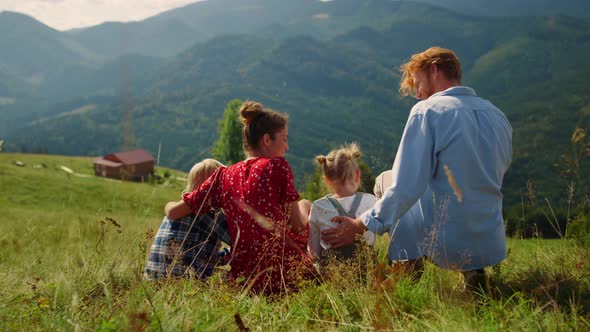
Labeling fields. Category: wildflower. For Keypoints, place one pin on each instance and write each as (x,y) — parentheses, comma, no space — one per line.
(43,302)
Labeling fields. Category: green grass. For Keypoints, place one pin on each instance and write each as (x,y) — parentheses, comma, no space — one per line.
(66,265)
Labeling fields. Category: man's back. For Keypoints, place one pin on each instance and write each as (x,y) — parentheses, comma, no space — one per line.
(445,198)
(462,205)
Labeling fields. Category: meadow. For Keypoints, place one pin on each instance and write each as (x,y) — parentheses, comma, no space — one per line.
(73,247)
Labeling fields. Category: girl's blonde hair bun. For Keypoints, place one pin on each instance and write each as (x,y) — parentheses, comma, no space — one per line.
(340,164)
(321,160)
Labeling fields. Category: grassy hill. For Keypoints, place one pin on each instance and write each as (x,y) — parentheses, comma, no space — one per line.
(80,191)
(48,211)
(42,189)
(56,224)
(73,246)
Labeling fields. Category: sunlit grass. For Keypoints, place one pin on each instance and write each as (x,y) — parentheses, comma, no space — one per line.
(72,251)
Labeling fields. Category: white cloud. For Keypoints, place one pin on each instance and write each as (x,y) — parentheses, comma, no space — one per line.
(67,14)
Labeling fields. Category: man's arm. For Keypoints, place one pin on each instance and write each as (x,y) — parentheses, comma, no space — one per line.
(414,165)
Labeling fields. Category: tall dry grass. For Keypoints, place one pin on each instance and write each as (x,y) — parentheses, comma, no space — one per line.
(71,262)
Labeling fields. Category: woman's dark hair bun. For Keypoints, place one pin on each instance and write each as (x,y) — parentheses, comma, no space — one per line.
(250,110)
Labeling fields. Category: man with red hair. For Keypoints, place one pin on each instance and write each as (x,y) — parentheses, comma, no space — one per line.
(445,200)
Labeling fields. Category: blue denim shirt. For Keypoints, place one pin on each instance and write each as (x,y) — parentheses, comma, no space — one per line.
(445,200)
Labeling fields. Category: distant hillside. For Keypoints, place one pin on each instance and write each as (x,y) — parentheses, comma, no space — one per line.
(116,82)
(335,90)
(344,89)
(578,8)
(40,67)
(176,30)
(31,49)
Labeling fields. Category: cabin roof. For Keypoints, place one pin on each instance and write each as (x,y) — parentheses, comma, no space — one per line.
(104,162)
(130,157)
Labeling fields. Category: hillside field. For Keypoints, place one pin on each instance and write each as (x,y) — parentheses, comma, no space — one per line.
(73,247)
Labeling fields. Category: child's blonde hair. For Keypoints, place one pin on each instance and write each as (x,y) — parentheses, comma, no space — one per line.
(199,173)
(340,165)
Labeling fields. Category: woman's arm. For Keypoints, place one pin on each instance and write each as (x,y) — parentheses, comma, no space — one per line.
(205,198)
(177,210)
(298,218)
(314,245)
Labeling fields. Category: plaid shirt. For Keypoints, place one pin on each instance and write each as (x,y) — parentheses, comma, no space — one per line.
(179,248)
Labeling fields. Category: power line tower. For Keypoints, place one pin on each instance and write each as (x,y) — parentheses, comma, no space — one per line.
(127,109)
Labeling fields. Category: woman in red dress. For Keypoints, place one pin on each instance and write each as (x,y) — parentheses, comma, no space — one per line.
(268,228)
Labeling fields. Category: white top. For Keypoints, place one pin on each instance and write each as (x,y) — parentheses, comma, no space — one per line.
(321,214)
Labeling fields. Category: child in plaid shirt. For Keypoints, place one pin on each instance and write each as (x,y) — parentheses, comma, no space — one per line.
(189,245)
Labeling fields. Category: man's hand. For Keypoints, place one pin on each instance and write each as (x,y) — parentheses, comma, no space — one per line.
(345,233)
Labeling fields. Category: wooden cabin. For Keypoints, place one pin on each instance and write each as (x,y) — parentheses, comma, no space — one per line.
(133,165)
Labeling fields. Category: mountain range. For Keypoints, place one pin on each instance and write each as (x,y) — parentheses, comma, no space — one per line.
(330,65)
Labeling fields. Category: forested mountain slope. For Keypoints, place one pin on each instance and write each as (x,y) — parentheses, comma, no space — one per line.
(342,89)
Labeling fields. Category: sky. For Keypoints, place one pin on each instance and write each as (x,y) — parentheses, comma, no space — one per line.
(68,14)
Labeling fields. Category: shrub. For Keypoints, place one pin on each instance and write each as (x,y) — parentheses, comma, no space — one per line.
(579,229)
(539,222)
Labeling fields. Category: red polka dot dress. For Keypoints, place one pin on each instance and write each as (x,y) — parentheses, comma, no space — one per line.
(255,195)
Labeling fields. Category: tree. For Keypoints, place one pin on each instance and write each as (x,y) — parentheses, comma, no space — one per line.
(228,147)
(315,187)
(367,178)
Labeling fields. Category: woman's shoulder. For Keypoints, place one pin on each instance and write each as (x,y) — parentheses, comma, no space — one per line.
(274,163)
(262,161)
(279,161)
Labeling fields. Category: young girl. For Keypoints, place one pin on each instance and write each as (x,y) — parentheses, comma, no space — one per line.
(189,244)
(268,230)
(342,175)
